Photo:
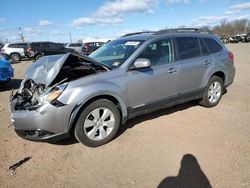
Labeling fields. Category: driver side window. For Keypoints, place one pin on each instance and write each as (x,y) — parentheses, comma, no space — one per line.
(159,52)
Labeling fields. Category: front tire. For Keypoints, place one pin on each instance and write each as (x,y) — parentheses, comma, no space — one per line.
(98,123)
(213,92)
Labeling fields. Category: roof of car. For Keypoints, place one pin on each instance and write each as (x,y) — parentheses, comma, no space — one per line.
(167,32)
(140,36)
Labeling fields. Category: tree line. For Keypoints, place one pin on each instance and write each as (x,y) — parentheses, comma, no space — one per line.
(228,29)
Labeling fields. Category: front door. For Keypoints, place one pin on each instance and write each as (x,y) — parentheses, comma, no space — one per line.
(158,83)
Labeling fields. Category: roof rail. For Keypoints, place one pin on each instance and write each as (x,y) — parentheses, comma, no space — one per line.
(137,33)
(183,30)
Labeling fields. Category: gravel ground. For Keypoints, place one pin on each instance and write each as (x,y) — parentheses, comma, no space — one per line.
(183,146)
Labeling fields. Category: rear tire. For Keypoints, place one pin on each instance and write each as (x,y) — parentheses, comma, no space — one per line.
(98,123)
(15,57)
(38,57)
(213,92)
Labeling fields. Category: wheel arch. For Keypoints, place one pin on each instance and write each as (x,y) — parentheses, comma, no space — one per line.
(221,75)
(15,53)
(81,105)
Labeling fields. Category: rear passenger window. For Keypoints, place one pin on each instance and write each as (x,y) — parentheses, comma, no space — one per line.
(213,45)
(188,47)
(55,46)
(18,45)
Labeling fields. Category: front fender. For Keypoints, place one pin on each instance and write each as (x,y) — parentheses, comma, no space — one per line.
(80,96)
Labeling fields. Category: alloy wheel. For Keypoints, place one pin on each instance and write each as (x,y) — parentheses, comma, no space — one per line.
(99,123)
(214,92)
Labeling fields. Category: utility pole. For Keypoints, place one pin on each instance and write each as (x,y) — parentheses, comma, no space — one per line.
(21,34)
(70,37)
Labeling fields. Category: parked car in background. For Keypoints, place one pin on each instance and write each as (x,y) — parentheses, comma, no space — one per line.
(247,37)
(38,49)
(16,51)
(90,47)
(75,46)
(224,39)
(4,56)
(6,71)
(91,96)
(1,46)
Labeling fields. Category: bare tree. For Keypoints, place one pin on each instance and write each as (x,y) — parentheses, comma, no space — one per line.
(232,28)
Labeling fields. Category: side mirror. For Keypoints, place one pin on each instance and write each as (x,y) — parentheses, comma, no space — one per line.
(142,63)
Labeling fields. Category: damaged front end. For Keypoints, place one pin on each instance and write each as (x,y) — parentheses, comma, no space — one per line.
(27,98)
(37,114)
(32,96)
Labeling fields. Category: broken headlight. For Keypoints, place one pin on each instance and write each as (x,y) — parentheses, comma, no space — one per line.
(52,94)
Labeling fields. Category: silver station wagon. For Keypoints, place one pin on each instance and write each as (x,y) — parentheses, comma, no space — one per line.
(91,96)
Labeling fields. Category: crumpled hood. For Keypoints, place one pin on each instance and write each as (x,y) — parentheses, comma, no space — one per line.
(45,69)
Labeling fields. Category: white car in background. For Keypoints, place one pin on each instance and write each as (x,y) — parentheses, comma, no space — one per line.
(16,51)
(75,46)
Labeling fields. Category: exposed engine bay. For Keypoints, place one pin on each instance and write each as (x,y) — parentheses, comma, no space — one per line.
(30,92)
(27,98)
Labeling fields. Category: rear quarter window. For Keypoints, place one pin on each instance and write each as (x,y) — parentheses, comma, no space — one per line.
(213,45)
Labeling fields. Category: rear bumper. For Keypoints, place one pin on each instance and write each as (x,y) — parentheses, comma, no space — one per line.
(230,77)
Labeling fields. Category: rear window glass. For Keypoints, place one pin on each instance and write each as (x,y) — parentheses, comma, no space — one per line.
(75,44)
(188,47)
(55,46)
(213,45)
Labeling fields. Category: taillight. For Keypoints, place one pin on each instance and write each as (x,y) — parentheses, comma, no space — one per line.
(231,55)
(86,46)
(29,49)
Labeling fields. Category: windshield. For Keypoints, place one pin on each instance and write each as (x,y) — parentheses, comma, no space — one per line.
(115,53)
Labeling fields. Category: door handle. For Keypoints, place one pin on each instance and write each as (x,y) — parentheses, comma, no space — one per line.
(206,62)
(172,70)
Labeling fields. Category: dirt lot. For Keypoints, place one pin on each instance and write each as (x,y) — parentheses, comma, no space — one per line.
(182,146)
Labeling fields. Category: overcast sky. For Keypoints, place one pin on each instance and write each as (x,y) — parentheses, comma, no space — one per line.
(54,19)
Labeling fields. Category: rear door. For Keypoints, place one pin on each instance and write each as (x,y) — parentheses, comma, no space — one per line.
(195,63)
(45,48)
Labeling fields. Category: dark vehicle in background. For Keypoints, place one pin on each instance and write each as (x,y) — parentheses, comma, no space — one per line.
(90,47)
(247,37)
(38,49)
(16,51)
(235,39)
(6,71)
